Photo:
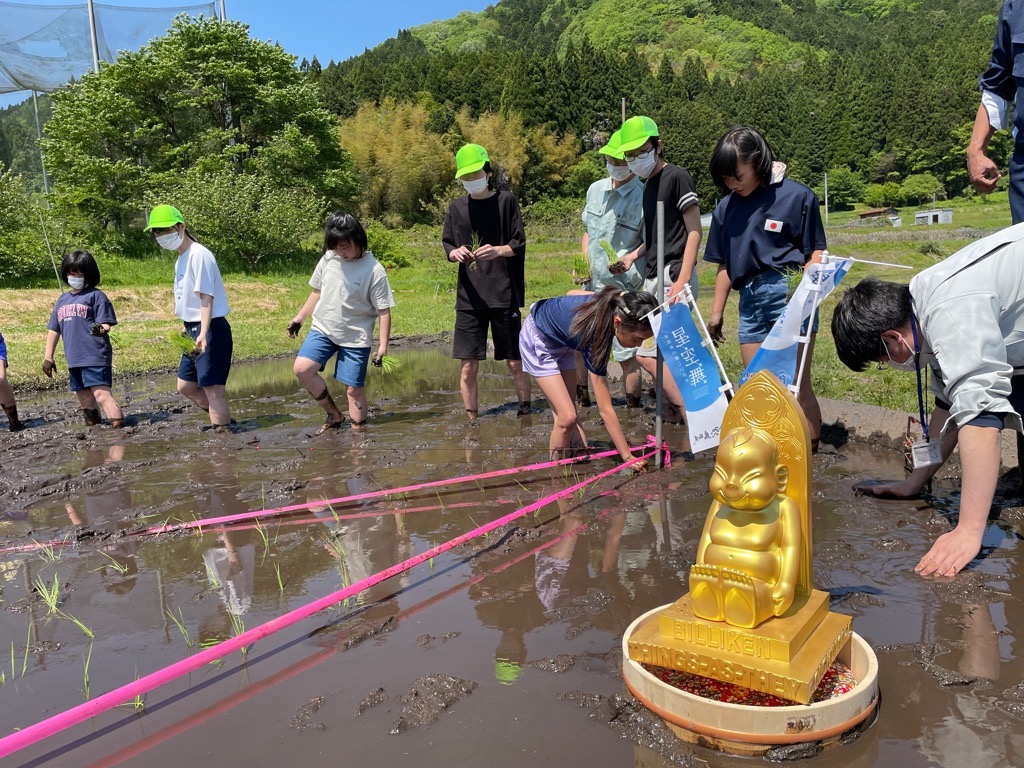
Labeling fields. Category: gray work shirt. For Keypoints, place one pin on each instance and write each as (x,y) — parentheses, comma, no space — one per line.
(615,215)
(970,309)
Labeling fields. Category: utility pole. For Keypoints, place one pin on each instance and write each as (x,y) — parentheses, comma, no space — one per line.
(826,198)
(623,109)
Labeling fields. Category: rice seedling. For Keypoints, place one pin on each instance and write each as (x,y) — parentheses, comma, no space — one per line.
(85,672)
(50,594)
(261,529)
(3,678)
(185,344)
(179,622)
(389,364)
(211,576)
(28,642)
(85,630)
(580,269)
(209,643)
(280,581)
(609,252)
(47,552)
(121,568)
(238,627)
(12,658)
(474,244)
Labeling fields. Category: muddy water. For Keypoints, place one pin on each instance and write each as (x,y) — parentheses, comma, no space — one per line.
(503,652)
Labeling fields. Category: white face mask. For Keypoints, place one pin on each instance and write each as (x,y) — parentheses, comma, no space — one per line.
(171,241)
(910,364)
(643,165)
(618,172)
(475,187)
(76,283)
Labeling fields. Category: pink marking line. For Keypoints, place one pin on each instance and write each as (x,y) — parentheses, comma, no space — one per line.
(64,720)
(278,511)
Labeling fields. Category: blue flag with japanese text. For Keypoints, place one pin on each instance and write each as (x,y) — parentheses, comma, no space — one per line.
(695,372)
(778,353)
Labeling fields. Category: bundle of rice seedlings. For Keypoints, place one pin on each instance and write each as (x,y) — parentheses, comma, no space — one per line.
(185,344)
(610,251)
(580,269)
(389,364)
(474,244)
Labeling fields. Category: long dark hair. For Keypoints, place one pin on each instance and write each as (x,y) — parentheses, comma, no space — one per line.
(594,321)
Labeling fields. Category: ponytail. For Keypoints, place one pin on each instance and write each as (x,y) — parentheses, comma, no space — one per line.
(594,320)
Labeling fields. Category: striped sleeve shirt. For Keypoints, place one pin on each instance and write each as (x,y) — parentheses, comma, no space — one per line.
(673,186)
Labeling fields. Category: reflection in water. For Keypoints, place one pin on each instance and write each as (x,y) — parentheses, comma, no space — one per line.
(566,581)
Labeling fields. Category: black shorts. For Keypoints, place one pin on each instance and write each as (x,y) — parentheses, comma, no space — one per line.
(211,368)
(470,342)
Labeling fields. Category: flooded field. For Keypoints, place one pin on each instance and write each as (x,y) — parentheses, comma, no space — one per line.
(503,652)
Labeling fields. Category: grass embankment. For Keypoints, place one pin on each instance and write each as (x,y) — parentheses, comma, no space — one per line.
(262,305)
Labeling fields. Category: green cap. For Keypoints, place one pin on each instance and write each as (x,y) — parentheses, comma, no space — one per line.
(470,159)
(635,132)
(612,148)
(507,672)
(164,216)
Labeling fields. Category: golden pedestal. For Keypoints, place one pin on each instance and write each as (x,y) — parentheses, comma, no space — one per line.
(786,657)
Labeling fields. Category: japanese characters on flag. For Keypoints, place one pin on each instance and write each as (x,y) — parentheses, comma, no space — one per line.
(696,374)
(778,353)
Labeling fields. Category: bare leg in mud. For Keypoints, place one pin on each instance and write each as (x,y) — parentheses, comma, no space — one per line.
(308,373)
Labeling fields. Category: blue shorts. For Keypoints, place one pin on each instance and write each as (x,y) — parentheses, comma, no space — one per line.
(540,356)
(3,349)
(349,368)
(211,368)
(87,377)
(762,301)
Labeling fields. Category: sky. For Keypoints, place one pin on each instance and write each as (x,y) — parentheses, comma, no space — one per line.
(329,29)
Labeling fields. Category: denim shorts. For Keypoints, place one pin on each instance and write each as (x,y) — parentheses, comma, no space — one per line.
(762,301)
(540,355)
(3,349)
(90,376)
(211,368)
(350,365)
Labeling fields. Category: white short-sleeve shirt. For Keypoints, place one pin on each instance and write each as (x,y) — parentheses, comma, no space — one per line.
(352,295)
(196,272)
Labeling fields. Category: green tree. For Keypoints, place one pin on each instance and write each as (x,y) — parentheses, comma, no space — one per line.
(22,253)
(845,187)
(921,188)
(206,98)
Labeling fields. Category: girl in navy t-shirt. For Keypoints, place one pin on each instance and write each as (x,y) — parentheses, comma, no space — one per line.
(763,234)
(582,322)
(83,317)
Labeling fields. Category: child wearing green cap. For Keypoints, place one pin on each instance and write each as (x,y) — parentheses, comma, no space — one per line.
(483,234)
(672,185)
(614,216)
(202,304)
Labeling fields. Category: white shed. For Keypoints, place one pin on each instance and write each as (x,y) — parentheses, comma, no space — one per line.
(934,216)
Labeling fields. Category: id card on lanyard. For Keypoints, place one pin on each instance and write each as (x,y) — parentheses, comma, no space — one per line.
(923,453)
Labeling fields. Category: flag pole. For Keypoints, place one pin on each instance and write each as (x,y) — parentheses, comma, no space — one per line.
(658,393)
(805,340)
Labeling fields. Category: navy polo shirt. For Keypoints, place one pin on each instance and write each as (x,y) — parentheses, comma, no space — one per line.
(777,227)
(553,318)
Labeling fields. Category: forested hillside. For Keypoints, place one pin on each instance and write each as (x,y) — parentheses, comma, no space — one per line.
(886,88)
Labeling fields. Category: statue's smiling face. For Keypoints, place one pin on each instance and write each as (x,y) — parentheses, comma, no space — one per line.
(747,475)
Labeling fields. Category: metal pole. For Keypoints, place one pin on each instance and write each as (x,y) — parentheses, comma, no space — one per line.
(42,156)
(95,41)
(223,11)
(658,394)
(623,109)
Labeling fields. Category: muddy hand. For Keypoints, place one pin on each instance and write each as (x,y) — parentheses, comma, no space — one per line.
(950,554)
(618,268)
(715,330)
(98,330)
(377,361)
(48,368)
(293,328)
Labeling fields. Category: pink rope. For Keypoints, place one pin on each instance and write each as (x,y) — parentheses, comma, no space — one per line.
(64,720)
(278,511)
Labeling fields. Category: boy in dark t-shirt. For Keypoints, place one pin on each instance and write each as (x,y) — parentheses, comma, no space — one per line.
(483,234)
(673,186)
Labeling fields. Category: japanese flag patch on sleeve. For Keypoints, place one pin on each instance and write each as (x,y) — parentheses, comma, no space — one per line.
(772,225)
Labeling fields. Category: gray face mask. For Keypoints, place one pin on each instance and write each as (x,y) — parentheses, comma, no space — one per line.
(910,364)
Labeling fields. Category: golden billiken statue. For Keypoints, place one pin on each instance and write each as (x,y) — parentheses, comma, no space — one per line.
(749,556)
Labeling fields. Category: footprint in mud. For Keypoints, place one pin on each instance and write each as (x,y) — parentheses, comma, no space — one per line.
(428,699)
(426,641)
(563,662)
(303,717)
